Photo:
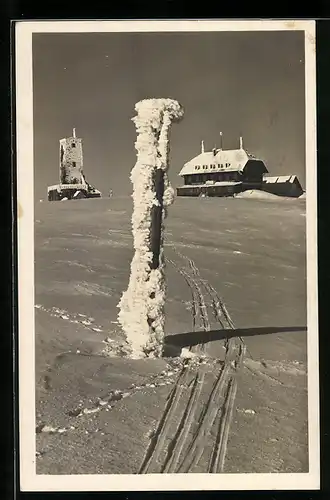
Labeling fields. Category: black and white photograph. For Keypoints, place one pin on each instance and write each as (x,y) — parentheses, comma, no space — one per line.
(166,193)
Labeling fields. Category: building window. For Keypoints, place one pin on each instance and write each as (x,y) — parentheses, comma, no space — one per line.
(73,145)
(74,164)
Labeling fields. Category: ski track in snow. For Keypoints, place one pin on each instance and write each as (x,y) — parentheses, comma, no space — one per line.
(180,449)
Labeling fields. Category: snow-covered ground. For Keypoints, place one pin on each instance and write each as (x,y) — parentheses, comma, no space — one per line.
(252,253)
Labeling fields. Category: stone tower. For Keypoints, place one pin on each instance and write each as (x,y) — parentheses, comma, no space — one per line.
(71,160)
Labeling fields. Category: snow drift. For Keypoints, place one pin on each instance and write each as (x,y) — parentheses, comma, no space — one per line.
(258,194)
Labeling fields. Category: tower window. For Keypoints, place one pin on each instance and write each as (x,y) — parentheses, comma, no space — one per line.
(74,164)
(73,144)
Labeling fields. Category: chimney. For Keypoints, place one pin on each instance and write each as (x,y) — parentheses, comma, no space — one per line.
(220,141)
(214,151)
(74,133)
(241,142)
(202,149)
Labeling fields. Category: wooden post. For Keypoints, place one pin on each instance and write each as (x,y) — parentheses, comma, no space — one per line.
(156,218)
(142,315)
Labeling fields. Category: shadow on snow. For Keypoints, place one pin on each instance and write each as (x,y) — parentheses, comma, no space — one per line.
(202,337)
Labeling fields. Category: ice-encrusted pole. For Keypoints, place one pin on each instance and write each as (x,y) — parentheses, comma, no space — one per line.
(141,314)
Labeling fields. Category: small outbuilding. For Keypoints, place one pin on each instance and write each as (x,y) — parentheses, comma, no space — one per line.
(283,185)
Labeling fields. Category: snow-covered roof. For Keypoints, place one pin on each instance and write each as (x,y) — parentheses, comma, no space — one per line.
(67,186)
(279,179)
(220,183)
(217,161)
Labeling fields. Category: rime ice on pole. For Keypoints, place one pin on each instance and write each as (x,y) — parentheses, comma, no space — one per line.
(142,315)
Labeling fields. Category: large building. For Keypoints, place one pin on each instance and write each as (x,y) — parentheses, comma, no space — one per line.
(73,184)
(221,172)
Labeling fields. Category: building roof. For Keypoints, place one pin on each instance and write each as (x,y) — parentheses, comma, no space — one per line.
(218,160)
(67,186)
(280,179)
(220,183)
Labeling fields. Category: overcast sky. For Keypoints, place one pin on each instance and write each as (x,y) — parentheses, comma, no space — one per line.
(240,83)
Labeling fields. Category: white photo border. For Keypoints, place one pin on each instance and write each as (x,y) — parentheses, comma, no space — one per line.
(29,480)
